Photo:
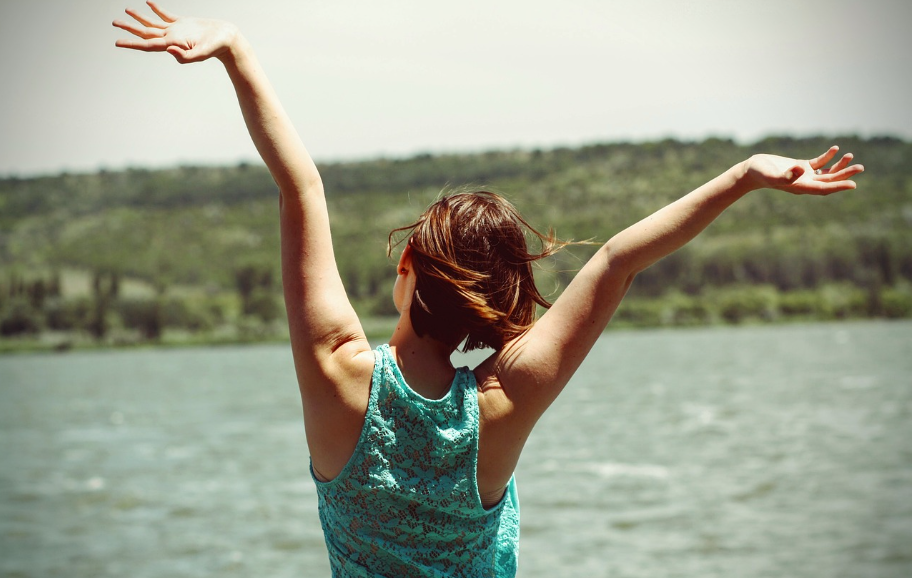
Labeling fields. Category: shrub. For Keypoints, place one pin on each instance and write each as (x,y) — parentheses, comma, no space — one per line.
(896,303)
(841,301)
(19,318)
(144,315)
(798,303)
(640,312)
(736,304)
(66,314)
(191,314)
(264,305)
(682,309)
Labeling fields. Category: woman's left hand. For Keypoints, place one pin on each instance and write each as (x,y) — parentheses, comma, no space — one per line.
(802,177)
(187,39)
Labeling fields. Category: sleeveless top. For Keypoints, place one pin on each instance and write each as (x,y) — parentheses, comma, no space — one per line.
(407,503)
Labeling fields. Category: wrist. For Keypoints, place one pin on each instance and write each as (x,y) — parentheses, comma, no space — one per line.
(236,46)
(747,177)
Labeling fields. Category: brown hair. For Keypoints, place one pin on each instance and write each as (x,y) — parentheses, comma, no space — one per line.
(473,270)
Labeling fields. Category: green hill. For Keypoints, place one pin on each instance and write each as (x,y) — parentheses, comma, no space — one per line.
(192,252)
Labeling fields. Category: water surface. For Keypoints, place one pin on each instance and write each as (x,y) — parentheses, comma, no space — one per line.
(746,452)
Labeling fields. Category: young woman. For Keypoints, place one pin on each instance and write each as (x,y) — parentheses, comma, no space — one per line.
(412,457)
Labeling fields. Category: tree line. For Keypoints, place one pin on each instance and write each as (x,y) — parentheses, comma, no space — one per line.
(129,256)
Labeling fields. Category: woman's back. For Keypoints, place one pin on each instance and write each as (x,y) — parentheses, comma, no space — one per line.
(407,502)
(335,434)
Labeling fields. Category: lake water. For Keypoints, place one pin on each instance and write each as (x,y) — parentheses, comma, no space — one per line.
(775,451)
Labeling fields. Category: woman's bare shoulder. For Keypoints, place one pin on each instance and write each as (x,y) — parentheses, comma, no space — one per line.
(339,380)
(523,374)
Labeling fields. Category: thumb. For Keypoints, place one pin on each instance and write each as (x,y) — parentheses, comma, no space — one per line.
(793,173)
(194,53)
(178,53)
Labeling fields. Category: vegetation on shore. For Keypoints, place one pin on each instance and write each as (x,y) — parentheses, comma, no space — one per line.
(190,254)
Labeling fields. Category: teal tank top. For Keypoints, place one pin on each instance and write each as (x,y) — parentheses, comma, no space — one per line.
(406,503)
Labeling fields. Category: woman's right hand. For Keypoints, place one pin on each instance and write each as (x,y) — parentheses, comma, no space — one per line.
(187,39)
(802,177)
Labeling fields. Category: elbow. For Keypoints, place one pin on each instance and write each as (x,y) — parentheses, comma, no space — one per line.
(628,279)
(618,269)
(620,264)
(298,181)
(297,192)
(623,283)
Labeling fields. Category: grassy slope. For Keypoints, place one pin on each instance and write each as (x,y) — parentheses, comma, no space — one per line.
(187,230)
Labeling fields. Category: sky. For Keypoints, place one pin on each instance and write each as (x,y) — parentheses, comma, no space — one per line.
(366,79)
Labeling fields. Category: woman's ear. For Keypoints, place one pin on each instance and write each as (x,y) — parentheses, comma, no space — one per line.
(406,261)
(405,284)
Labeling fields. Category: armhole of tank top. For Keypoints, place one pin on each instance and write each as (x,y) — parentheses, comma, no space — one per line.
(375,386)
(510,484)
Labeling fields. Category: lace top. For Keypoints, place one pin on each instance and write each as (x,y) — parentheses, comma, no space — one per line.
(407,503)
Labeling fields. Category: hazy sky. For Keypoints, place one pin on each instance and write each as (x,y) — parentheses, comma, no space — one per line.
(391,78)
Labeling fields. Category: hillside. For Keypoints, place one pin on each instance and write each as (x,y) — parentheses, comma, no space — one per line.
(132,255)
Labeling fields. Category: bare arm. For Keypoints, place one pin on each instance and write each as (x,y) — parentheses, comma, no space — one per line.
(325,330)
(321,319)
(538,365)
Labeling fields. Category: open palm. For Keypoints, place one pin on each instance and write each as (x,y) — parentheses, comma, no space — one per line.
(804,177)
(187,39)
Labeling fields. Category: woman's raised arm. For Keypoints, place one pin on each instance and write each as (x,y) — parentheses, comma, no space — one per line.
(325,331)
(544,358)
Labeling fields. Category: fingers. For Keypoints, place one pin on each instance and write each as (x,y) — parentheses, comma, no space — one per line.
(846,173)
(163,14)
(824,158)
(146,44)
(830,183)
(842,163)
(143,19)
(820,188)
(141,32)
(838,171)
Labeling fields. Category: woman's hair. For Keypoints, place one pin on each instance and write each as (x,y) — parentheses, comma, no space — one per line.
(473,270)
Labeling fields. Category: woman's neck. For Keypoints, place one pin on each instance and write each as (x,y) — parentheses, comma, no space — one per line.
(424,362)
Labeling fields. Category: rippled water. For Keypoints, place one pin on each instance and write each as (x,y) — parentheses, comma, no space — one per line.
(766,451)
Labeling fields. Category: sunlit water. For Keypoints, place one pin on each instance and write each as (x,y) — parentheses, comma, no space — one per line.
(779,451)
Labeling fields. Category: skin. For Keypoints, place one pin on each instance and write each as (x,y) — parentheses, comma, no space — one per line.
(332,356)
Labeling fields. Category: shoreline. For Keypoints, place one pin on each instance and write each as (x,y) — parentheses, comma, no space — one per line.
(377,329)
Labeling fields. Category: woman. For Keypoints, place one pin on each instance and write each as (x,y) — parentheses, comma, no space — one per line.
(413,458)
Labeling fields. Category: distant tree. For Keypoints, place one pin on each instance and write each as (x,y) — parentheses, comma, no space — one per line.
(105,288)
(254,284)
(54,284)
(37,291)
(264,305)
(18,317)
(247,280)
